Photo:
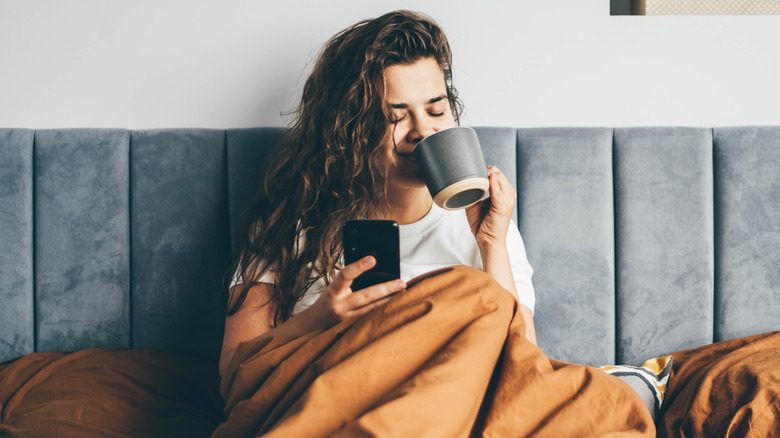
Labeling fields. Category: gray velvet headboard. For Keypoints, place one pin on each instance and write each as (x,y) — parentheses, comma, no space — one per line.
(644,240)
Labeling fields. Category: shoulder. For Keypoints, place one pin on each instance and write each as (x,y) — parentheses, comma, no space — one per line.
(258,295)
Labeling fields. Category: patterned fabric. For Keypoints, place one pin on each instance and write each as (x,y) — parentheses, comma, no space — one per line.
(649,380)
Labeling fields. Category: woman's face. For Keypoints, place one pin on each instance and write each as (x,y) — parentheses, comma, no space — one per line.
(416,95)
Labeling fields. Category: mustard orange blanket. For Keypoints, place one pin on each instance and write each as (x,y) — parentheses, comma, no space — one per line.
(109,393)
(726,389)
(446,358)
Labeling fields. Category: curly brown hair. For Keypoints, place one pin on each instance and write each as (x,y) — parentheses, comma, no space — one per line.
(330,168)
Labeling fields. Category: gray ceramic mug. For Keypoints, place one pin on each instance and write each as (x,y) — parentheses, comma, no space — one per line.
(453,167)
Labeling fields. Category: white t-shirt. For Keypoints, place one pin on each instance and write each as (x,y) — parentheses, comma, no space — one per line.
(440,239)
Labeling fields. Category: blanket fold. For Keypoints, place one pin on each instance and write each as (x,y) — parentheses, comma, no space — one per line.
(726,389)
(446,358)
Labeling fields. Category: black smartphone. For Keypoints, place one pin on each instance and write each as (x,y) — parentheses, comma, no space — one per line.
(379,239)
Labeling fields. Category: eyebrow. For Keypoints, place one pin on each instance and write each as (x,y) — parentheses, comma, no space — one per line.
(406,105)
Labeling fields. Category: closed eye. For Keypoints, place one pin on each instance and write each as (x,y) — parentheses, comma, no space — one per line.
(436,114)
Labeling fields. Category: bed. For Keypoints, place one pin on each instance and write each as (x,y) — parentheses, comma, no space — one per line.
(645,241)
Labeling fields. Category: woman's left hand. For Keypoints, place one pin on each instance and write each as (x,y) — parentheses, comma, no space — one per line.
(489,218)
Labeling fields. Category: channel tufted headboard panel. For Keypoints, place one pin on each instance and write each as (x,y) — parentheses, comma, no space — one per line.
(644,240)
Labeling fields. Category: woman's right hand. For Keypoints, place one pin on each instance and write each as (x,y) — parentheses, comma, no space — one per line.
(339,302)
(336,303)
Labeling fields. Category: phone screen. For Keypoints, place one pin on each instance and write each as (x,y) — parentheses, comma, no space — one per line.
(377,238)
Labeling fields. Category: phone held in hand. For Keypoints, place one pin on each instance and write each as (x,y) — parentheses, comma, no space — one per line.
(378,238)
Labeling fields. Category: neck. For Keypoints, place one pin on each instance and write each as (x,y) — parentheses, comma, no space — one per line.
(408,205)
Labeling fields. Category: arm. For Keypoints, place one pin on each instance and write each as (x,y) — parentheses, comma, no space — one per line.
(489,220)
(337,303)
(495,261)
(254,318)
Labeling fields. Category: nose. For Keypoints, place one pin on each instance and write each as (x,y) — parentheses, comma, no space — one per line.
(421,128)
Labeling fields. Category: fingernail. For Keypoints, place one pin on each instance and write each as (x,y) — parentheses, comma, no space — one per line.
(369,261)
(400,285)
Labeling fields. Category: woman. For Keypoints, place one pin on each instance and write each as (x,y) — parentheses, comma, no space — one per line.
(377,89)
(455,354)
(306,355)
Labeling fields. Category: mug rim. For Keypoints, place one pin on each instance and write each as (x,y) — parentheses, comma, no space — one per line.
(474,182)
(451,128)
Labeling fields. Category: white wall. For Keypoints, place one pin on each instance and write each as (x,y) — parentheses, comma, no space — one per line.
(221,64)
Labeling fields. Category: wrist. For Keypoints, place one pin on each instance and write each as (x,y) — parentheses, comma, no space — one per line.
(492,233)
(491,251)
(491,244)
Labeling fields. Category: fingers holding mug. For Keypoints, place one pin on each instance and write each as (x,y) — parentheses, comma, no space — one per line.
(502,194)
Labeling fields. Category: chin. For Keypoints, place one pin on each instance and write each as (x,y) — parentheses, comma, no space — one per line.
(418,183)
(409,182)
(413,177)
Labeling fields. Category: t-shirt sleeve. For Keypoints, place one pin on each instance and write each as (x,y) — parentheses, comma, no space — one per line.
(268,277)
(521,269)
